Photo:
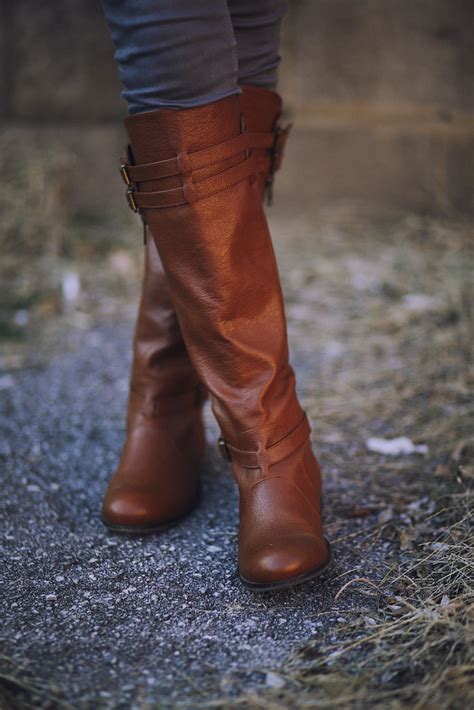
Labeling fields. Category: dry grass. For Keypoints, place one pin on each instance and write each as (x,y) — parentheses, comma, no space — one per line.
(412,648)
(42,236)
(417,651)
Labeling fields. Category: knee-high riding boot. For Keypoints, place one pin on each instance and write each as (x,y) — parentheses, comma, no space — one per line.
(194,180)
(157,480)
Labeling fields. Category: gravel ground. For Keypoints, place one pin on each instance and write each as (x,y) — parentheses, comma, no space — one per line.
(104,617)
(91,619)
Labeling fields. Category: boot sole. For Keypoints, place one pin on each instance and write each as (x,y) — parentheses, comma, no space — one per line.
(142,530)
(291,581)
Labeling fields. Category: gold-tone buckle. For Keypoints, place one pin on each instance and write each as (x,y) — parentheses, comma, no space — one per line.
(222,448)
(131,199)
(124,174)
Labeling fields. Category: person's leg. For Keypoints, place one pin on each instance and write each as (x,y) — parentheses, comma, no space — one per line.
(173,54)
(170,54)
(257,32)
(193,178)
(165,398)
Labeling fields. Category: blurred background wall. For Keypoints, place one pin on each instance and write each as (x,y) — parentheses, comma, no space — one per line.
(381,92)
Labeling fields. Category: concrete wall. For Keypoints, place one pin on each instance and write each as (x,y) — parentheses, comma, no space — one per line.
(381,92)
(387,88)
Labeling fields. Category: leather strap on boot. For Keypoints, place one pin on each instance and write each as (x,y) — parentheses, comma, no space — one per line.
(269,456)
(270,147)
(190,167)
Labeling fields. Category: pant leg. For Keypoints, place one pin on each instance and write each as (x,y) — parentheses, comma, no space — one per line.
(173,54)
(257,31)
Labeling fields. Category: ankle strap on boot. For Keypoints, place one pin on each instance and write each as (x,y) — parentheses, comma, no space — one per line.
(267,457)
(190,167)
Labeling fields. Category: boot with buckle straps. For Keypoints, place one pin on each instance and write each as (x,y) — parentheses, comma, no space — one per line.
(196,185)
(157,479)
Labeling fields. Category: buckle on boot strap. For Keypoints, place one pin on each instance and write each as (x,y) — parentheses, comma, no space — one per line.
(222,448)
(271,146)
(275,453)
(193,170)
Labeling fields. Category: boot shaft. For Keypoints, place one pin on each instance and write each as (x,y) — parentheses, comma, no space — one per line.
(196,186)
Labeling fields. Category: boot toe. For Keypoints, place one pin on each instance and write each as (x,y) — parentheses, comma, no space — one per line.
(129,508)
(292,557)
(140,508)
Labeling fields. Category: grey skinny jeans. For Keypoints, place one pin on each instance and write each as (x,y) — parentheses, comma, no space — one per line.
(184,53)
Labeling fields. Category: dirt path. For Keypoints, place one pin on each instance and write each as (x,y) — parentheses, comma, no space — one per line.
(378,322)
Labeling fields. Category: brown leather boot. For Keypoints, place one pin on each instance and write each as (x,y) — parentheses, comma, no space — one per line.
(195,183)
(157,480)
(164,424)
